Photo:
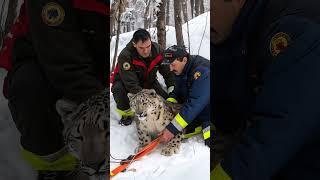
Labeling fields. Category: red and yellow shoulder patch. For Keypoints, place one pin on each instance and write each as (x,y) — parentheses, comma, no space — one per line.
(196,75)
(279,42)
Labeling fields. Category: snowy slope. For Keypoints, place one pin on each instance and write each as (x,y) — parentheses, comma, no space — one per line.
(12,166)
(193,160)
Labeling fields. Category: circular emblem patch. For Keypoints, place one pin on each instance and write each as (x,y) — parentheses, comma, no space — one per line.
(197,75)
(279,42)
(52,14)
(126,66)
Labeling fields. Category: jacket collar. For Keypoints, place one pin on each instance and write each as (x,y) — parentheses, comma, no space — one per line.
(187,66)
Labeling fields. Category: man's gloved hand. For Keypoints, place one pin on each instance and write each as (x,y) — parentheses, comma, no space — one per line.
(170,89)
(208,142)
(171,95)
(172,100)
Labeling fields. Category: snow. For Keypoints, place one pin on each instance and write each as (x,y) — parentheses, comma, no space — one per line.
(193,160)
(12,165)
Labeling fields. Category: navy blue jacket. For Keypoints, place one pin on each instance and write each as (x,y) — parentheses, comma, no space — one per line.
(273,58)
(193,90)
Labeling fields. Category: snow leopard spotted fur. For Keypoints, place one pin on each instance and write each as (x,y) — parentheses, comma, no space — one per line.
(86,128)
(152,115)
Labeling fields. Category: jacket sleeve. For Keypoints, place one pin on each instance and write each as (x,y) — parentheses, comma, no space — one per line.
(128,75)
(286,113)
(61,49)
(199,97)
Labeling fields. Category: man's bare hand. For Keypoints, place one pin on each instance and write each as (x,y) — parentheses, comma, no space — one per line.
(166,136)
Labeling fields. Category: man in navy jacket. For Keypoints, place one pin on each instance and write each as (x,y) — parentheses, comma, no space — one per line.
(192,90)
(266,55)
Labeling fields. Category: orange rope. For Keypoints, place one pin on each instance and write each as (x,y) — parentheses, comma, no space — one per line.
(146,150)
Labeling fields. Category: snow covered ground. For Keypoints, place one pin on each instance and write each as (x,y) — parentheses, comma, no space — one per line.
(12,166)
(193,160)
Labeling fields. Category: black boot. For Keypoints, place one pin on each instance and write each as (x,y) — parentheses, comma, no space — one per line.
(208,142)
(125,121)
(48,175)
(59,175)
(52,175)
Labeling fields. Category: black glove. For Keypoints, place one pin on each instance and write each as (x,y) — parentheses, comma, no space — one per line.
(208,142)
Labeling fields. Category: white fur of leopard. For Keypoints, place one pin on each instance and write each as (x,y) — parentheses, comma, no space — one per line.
(86,128)
(152,115)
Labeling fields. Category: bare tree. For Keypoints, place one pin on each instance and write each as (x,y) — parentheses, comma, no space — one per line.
(177,21)
(113,15)
(197,7)
(9,19)
(146,14)
(192,7)
(121,8)
(201,6)
(168,12)
(184,10)
(161,26)
(12,13)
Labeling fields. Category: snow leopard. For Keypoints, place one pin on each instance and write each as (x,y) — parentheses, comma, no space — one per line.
(86,129)
(152,115)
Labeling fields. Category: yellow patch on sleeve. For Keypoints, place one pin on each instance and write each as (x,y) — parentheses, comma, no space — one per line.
(196,75)
(279,42)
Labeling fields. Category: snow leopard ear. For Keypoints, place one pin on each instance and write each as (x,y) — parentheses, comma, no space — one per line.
(152,92)
(65,108)
(130,95)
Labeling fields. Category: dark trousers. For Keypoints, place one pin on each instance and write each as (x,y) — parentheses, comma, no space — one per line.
(32,105)
(121,98)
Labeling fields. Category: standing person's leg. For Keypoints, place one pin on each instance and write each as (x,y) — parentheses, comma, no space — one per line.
(123,107)
(32,105)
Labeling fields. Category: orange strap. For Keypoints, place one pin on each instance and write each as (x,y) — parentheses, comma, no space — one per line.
(146,150)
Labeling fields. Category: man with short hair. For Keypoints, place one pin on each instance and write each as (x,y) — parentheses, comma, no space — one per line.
(266,89)
(192,90)
(138,64)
